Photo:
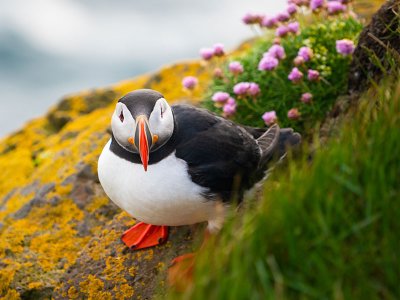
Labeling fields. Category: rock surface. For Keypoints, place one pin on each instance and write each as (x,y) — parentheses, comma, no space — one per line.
(59,233)
(379,39)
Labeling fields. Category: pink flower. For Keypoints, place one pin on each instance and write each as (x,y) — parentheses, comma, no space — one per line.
(220,97)
(218,73)
(345,47)
(294,27)
(283,16)
(229,107)
(299,2)
(246,88)
(316,4)
(299,60)
(269,117)
(190,82)
(241,88)
(254,89)
(306,53)
(231,101)
(335,7)
(250,18)
(207,53)
(236,67)
(269,22)
(282,31)
(306,97)
(219,49)
(313,75)
(295,75)
(268,63)
(291,9)
(276,51)
(293,114)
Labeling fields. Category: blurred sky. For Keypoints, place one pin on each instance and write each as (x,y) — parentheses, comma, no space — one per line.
(49,48)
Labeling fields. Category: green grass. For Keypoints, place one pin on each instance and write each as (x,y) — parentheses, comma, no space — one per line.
(280,94)
(326,229)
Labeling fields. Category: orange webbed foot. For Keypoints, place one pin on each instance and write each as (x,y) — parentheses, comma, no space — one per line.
(180,273)
(144,235)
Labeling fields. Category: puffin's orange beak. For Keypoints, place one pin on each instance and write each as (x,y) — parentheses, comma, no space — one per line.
(143,139)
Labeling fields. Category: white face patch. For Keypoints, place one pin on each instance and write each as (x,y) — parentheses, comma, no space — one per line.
(123,126)
(161,122)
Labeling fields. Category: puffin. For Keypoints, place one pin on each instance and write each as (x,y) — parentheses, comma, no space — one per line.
(180,165)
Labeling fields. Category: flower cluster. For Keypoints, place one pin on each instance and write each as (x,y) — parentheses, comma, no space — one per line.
(270,59)
(335,7)
(293,114)
(295,75)
(246,89)
(236,67)
(306,97)
(288,75)
(345,47)
(190,82)
(268,63)
(279,21)
(313,75)
(226,101)
(269,117)
(332,6)
(251,19)
(209,53)
(316,4)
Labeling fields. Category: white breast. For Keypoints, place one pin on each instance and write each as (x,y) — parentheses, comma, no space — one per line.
(164,195)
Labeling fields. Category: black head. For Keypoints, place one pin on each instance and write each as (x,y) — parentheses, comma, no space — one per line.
(141,102)
(142,123)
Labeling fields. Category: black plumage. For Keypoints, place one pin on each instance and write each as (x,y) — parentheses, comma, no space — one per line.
(222,156)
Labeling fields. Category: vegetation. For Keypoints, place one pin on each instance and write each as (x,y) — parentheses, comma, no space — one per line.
(326,225)
(323,230)
(278,93)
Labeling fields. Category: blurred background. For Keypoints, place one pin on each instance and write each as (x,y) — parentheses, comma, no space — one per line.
(51,48)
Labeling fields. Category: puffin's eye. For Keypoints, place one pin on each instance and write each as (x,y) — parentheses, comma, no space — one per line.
(161,109)
(121,116)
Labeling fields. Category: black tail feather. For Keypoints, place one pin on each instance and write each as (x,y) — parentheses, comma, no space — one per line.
(275,142)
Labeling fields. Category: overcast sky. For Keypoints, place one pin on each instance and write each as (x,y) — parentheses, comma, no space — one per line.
(49,48)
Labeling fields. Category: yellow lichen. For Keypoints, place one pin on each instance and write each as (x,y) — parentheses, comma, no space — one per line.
(11,295)
(114,269)
(72,293)
(97,203)
(124,291)
(56,244)
(132,271)
(149,255)
(6,277)
(93,287)
(98,250)
(35,285)
(160,266)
